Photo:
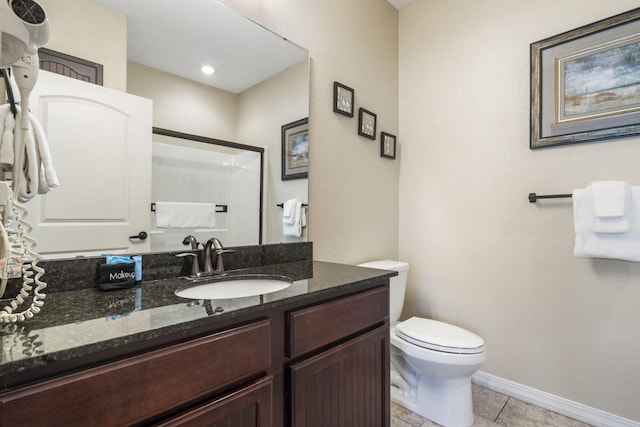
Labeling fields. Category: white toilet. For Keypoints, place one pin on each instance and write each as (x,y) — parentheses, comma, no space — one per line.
(431,361)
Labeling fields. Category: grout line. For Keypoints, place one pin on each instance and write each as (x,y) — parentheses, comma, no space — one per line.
(502,409)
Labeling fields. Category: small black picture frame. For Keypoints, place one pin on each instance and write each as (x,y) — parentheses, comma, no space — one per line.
(367,124)
(343,99)
(387,145)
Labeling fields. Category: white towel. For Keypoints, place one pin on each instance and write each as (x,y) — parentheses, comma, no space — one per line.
(289,211)
(609,200)
(185,215)
(27,155)
(623,246)
(299,218)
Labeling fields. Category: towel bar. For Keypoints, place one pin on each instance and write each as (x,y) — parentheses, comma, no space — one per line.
(533,197)
(219,208)
(281,205)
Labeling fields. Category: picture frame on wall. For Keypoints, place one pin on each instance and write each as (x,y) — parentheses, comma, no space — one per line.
(295,150)
(387,145)
(343,97)
(367,124)
(585,83)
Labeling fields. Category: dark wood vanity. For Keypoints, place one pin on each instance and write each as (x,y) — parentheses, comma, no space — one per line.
(319,358)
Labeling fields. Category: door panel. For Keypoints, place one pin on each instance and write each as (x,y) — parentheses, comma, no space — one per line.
(100,141)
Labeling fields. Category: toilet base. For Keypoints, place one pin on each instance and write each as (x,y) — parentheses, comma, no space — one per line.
(447,402)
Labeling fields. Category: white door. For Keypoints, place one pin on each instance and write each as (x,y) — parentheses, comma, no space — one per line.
(100,141)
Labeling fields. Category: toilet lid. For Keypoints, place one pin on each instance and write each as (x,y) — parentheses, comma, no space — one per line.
(439,336)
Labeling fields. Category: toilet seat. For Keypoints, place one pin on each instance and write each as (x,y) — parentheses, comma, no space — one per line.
(439,336)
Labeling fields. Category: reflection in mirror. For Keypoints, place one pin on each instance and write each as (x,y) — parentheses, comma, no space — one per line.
(162,64)
(193,169)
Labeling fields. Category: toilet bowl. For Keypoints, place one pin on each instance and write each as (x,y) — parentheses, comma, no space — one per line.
(431,361)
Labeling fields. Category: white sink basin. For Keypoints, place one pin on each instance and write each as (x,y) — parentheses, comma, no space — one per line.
(232,287)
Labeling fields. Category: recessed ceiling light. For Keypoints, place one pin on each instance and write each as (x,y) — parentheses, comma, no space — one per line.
(207,69)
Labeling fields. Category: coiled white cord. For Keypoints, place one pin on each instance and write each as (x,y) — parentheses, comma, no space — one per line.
(8,314)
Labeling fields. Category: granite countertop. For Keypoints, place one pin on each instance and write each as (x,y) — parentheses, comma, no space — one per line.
(77,323)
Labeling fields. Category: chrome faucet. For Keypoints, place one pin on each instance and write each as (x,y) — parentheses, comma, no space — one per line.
(219,250)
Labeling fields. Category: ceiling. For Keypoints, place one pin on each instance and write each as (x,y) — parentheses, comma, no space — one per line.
(179,37)
(399,4)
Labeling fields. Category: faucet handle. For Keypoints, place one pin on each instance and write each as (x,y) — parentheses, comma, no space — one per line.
(195,268)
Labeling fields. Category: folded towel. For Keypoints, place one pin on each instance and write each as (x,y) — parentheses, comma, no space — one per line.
(289,211)
(185,215)
(609,198)
(299,221)
(623,246)
(610,225)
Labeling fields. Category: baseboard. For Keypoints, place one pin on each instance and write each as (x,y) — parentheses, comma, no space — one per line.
(551,402)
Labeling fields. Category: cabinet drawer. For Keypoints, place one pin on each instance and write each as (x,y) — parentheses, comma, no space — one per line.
(132,390)
(313,327)
(248,407)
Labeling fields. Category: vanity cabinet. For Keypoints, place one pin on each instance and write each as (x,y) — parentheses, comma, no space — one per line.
(346,383)
(312,362)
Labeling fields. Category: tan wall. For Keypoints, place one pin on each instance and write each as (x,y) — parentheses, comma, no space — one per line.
(262,110)
(106,29)
(481,255)
(353,192)
(184,105)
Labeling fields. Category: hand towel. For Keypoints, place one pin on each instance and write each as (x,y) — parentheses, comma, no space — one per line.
(48,175)
(185,215)
(32,164)
(623,246)
(294,228)
(289,212)
(609,200)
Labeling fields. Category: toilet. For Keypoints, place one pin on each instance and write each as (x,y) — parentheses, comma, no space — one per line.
(431,361)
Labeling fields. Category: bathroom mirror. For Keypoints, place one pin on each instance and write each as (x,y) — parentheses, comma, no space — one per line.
(248,109)
(195,169)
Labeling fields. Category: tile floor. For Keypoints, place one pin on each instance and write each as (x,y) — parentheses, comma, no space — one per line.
(492,409)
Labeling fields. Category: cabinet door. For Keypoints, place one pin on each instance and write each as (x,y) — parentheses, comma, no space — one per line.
(347,386)
(247,407)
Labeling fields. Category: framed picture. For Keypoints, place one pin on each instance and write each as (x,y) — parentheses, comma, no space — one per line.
(387,145)
(295,150)
(585,83)
(367,124)
(342,99)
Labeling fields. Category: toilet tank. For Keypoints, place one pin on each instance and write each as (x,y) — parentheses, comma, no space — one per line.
(398,284)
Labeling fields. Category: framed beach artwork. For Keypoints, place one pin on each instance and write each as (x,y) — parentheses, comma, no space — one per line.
(295,150)
(585,83)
